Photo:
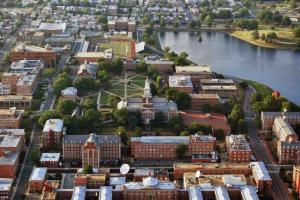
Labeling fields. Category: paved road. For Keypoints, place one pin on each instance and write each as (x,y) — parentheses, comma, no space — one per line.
(279,190)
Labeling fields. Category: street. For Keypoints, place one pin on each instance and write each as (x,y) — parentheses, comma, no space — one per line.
(279,189)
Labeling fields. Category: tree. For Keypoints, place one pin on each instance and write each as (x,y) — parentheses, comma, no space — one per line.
(102,19)
(192,24)
(117,66)
(92,116)
(123,135)
(182,99)
(113,101)
(48,114)
(184,133)
(162,22)
(87,169)
(263,36)
(181,150)
(176,24)
(84,84)
(142,67)
(72,124)
(255,35)
(243,12)
(121,116)
(208,20)
(89,103)
(49,72)
(243,85)
(34,155)
(66,106)
(158,120)
(61,82)
(206,108)
(286,21)
(297,32)
(6,58)
(242,126)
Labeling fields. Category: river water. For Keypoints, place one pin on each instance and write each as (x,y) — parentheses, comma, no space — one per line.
(278,69)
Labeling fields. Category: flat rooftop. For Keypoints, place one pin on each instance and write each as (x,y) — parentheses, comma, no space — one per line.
(55,125)
(6,184)
(15,98)
(219,87)
(209,165)
(193,69)
(237,143)
(50,157)
(216,81)
(180,81)
(38,174)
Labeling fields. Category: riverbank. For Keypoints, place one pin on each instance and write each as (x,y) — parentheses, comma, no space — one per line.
(285,39)
(217,28)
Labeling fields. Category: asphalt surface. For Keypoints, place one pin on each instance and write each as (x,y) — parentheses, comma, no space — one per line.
(279,190)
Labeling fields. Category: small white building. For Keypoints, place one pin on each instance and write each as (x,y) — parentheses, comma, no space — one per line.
(50,159)
(69,93)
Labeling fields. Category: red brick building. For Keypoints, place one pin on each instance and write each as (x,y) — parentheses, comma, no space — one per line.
(10,118)
(164,147)
(11,79)
(91,149)
(53,132)
(37,179)
(198,100)
(216,121)
(238,149)
(296,179)
(21,52)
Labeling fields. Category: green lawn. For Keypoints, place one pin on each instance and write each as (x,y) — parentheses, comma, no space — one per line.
(122,49)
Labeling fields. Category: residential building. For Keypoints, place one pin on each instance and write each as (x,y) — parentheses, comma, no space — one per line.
(9,163)
(91,181)
(162,65)
(288,144)
(214,120)
(10,118)
(31,37)
(52,28)
(50,159)
(26,85)
(224,91)
(91,149)
(21,66)
(53,132)
(181,83)
(20,102)
(69,93)
(6,186)
(113,10)
(296,179)
(216,82)
(11,79)
(30,52)
(150,188)
(261,177)
(121,24)
(164,147)
(238,149)
(4,89)
(94,56)
(195,72)
(37,179)
(198,100)
(49,190)
(149,105)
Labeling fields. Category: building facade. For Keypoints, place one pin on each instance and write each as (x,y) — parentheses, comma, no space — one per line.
(238,149)
(91,149)
(164,147)
(53,132)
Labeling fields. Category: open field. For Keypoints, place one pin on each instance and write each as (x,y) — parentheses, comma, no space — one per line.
(135,88)
(286,39)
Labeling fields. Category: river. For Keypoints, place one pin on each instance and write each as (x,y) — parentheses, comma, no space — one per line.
(278,69)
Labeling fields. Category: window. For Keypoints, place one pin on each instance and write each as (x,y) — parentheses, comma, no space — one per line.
(150,197)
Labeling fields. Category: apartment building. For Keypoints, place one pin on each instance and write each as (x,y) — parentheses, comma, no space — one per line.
(26,85)
(216,82)
(20,102)
(6,187)
(90,181)
(10,118)
(238,149)
(37,179)
(11,79)
(30,52)
(164,147)
(161,65)
(91,149)
(181,83)
(121,24)
(281,124)
(296,179)
(53,132)
(198,100)
(224,91)
(195,72)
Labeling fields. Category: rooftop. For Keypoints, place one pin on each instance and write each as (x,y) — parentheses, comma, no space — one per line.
(193,69)
(47,157)
(100,139)
(180,81)
(105,193)
(195,193)
(248,193)
(119,180)
(9,140)
(38,174)
(53,26)
(150,182)
(55,125)
(219,87)
(79,193)
(9,158)
(216,81)
(221,193)
(6,184)
(260,171)
(237,143)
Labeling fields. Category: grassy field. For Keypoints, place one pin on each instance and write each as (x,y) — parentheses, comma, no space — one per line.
(285,35)
(135,88)
(260,88)
(122,49)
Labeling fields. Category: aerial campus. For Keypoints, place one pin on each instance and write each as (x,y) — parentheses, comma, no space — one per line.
(149,100)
